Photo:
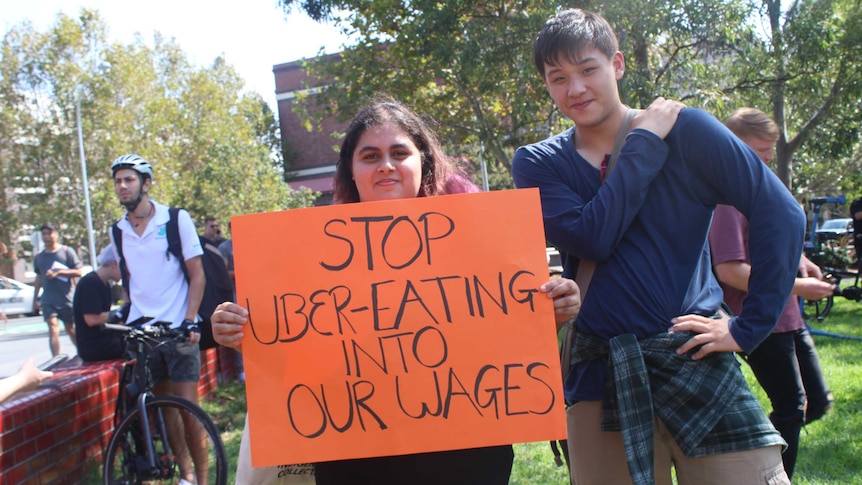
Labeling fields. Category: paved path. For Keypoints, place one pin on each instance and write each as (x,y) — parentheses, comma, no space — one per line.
(28,337)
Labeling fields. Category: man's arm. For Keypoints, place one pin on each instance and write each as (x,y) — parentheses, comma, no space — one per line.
(195,270)
(578,220)
(776,224)
(737,273)
(37,285)
(73,267)
(96,319)
(68,273)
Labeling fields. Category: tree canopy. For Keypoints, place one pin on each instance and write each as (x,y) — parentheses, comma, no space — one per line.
(214,148)
(468,65)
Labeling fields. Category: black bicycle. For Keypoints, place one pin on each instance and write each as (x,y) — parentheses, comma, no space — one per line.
(837,259)
(158,439)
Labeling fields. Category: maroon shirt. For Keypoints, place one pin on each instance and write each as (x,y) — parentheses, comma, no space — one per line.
(728,241)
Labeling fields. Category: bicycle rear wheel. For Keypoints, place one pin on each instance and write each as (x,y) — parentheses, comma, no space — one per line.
(184,441)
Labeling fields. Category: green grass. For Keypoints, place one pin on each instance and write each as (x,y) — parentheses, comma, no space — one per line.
(830,450)
(226,407)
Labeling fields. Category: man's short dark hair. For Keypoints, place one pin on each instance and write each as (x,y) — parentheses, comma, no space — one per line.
(209,219)
(568,33)
(49,227)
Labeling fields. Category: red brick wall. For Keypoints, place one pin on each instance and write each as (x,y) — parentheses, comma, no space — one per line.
(57,433)
(313,148)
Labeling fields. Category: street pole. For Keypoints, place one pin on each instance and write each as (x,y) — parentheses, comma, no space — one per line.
(86,183)
(484,166)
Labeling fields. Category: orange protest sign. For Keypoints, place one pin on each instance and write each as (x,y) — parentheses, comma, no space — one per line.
(397,327)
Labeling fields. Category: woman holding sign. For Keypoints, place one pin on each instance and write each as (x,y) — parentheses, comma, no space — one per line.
(390,153)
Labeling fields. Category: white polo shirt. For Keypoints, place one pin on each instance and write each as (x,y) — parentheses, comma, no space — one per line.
(157,285)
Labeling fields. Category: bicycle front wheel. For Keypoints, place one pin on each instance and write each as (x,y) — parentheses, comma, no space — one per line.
(178,441)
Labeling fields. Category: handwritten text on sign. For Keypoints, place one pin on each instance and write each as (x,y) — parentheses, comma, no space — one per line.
(397,327)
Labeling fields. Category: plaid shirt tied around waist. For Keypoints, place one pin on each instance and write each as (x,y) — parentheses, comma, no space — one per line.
(705,404)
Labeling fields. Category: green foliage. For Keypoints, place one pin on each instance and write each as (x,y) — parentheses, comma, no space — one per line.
(226,406)
(215,149)
(829,449)
(468,65)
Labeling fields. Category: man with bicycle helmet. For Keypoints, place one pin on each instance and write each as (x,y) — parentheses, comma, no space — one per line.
(157,285)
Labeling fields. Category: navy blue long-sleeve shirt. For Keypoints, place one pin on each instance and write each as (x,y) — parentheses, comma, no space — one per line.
(646,227)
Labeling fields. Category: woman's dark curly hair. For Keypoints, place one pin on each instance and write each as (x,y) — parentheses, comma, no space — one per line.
(435,167)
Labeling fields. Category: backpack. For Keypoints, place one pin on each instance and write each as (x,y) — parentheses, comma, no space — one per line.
(218,287)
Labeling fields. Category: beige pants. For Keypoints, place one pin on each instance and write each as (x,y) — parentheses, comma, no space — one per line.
(599,457)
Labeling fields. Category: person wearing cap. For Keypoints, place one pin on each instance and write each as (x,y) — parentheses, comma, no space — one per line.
(92,307)
(56,268)
(158,288)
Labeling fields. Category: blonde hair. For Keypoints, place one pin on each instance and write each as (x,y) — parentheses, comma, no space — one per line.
(751,122)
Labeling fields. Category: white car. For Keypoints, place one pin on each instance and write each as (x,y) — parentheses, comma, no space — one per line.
(835,229)
(16,298)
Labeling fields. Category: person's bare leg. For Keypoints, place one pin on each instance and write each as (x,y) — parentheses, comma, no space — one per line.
(53,335)
(70,331)
(195,434)
(177,435)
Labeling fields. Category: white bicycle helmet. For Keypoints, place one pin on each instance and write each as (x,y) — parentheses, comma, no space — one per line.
(138,164)
(135,162)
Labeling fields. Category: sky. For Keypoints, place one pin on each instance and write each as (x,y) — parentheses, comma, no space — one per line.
(253,35)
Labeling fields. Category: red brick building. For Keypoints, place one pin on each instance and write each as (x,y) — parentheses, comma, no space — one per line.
(309,155)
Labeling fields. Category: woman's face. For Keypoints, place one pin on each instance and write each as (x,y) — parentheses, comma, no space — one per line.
(386,164)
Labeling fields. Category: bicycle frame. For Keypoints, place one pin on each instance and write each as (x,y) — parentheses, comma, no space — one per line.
(155,470)
(150,443)
(141,379)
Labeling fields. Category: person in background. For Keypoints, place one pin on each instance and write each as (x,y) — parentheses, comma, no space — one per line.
(226,250)
(159,289)
(212,231)
(856,214)
(28,377)
(92,307)
(56,268)
(786,362)
(654,382)
(7,261)
(390,153)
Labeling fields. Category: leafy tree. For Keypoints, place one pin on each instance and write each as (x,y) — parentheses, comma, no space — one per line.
(467,64)
(214,149)
(804,69)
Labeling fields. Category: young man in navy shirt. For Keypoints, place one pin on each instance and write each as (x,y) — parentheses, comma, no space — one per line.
(654,381)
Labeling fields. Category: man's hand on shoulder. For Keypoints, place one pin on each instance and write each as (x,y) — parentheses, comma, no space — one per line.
(713,335)
(660,117)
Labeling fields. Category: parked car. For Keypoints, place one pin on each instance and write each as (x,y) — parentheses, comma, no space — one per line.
(16,298)
(835,229)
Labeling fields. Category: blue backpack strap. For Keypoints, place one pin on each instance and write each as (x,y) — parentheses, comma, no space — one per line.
(118,243)
(175,244)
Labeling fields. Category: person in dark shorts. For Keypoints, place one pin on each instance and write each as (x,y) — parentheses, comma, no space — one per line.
(56,268)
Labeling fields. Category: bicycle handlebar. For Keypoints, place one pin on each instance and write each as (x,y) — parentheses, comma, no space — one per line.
(156,330)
